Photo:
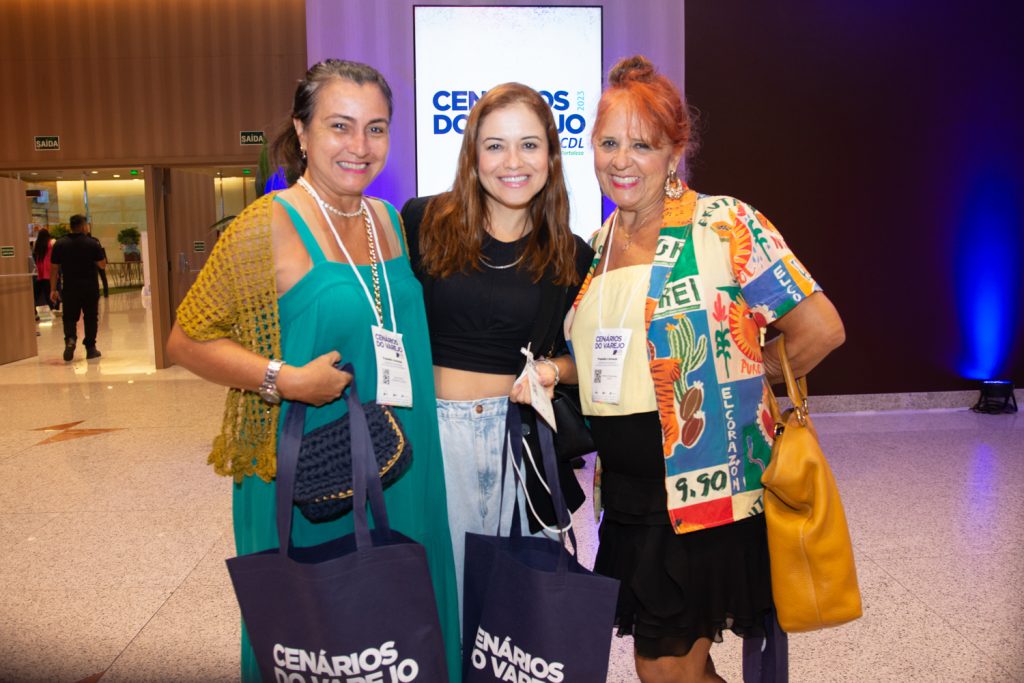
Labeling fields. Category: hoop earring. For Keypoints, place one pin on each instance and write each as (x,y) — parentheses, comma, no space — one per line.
(674,187)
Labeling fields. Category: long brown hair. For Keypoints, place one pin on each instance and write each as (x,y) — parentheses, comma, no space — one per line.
(42,245)
(453,228)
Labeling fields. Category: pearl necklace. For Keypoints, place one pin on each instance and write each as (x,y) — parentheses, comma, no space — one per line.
(337,212)
(370,239)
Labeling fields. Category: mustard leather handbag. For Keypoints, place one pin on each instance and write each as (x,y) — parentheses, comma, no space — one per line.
(814,578)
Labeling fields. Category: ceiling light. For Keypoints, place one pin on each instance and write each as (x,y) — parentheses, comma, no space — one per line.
(94,172)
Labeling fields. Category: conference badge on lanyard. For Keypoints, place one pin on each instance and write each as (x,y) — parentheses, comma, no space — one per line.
(610,346)
(394,381)
(610,343)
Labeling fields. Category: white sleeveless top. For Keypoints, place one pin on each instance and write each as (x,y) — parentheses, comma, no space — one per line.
(625,289)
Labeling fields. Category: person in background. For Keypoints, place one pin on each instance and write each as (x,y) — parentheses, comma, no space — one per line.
(294,285)
(499,268)
(75,258)
(102,272)
(667,340)
(42,251)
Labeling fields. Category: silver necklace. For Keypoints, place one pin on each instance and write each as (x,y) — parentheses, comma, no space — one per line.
(337,212)
(488,264)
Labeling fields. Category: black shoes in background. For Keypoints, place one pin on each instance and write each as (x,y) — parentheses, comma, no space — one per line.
(91,352)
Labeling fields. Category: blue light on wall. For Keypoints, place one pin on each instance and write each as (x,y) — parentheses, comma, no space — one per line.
(988,274)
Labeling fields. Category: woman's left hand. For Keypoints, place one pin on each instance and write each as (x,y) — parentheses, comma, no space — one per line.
(813,329)
(521,390)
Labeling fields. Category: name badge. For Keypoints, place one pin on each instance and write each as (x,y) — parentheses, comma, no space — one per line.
(394,381)
(610,345)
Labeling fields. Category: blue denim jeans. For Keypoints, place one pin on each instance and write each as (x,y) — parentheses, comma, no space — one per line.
(472,434)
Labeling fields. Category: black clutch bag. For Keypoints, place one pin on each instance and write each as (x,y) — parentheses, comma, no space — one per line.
(323,476)
(573,438)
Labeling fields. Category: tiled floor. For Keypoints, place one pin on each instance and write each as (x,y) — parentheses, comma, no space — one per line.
(112,542)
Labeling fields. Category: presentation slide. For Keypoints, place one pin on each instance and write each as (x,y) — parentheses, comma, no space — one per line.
(463,51)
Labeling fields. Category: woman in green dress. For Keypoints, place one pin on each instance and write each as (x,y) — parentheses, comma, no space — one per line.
(297,283)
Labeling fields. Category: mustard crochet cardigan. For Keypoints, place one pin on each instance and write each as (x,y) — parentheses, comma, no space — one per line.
(235,297)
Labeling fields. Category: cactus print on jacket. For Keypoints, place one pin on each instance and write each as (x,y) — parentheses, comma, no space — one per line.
(721,273)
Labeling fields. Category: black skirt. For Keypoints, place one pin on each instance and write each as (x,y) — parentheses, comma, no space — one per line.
(675,589)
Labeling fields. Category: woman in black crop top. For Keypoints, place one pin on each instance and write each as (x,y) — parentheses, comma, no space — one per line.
(499,268)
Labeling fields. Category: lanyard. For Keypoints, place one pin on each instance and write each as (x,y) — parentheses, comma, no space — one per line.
(607,246)
(367,216)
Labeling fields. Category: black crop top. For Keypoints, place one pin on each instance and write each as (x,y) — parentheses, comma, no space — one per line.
(479,320)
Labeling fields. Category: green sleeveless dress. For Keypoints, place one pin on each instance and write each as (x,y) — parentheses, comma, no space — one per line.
(328,310)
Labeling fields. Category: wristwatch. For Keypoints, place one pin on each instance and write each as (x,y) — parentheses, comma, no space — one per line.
(268,390)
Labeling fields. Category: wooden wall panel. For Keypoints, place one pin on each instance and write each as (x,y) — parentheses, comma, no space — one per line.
(17,326)
(180,207)
(145,82)
(156,255)
(191,210)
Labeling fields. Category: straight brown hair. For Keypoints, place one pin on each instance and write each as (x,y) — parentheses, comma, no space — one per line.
(454,224)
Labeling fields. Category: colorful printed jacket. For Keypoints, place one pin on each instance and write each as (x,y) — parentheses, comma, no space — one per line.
(721,273)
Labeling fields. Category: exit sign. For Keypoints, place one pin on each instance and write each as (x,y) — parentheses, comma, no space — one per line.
(251,137)
(47,143)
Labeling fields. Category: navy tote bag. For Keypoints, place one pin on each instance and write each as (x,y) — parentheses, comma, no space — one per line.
(531,612)
(356,609)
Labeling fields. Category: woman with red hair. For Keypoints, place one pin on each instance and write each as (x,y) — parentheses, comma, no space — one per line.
(666,338)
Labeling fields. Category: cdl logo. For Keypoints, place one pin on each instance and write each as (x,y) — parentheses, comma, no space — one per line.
(463,100)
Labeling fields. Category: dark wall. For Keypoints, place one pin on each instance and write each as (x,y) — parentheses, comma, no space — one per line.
(145,82)
(884,139)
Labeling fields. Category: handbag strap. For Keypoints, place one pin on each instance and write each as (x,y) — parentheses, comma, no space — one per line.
(795,388)
(365,482)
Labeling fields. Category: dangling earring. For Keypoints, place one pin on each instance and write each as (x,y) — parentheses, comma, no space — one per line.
(303,150)
(673,185)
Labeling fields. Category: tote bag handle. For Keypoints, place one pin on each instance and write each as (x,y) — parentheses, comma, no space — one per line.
(365,482)
(513,448)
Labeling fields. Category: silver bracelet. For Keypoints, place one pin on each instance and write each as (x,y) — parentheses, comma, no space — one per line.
(554,366)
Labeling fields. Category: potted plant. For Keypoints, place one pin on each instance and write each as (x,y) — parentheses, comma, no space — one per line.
(129,241)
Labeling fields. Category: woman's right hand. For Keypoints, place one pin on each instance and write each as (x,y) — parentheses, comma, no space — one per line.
(316,383)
